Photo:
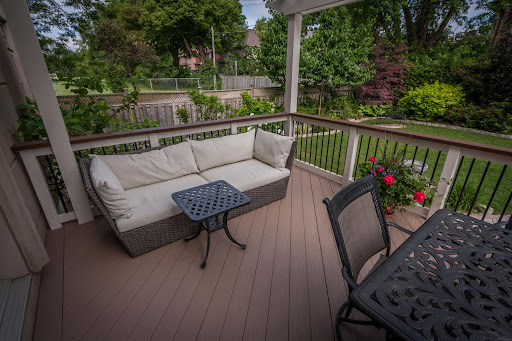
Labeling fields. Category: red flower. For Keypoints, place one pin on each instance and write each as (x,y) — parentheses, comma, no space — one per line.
(419,196)
(389,180)
(380,169)
(372,159)
(375,173)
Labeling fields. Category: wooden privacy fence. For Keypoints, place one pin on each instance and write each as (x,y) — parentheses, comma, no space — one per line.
(163,106)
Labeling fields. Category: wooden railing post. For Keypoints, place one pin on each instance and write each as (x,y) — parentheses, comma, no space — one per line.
(36,175)
(350,157)
(153,140)
(443,187)
(288,127)
(233,129)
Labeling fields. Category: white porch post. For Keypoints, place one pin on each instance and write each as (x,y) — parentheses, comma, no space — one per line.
(33,65)
(292,62)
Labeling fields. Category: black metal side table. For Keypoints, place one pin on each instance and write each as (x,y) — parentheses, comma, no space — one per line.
(206,203)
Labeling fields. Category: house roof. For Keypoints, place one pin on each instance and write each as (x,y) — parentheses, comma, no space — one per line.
(252,39)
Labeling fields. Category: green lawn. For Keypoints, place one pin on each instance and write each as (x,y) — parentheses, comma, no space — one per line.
(323,150)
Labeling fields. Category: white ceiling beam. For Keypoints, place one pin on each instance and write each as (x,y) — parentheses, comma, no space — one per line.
(288,7)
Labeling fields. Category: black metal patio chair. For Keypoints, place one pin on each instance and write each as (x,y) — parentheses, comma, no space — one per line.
(361,231)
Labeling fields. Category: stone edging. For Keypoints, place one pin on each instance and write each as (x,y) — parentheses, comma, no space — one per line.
(437,125)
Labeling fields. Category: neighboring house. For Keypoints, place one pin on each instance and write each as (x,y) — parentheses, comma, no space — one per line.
(252,39)
(194,63)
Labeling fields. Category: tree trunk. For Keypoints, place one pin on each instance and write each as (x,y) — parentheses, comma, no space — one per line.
(202,52)
(504,20)
(320,100)
(412,35)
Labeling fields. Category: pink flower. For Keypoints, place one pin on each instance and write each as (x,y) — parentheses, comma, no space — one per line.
(419,196)
(375,173)
(389,180)
(372,159)
(380,169)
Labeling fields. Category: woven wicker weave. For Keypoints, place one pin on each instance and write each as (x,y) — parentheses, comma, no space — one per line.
(152,236)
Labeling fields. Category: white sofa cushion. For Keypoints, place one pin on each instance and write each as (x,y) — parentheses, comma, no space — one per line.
(223,150)
(246,175)
(153,202)
(272,148)
(135,170)
(109,190)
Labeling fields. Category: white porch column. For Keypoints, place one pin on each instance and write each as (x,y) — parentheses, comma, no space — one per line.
(292,62)
(33,66)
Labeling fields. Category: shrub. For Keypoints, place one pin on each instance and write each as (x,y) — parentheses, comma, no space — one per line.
(495,118)
(253,106)
(431,101)
(308,106)
(342,107)
(467,198)
(208,107)
(183,115)
(374,110)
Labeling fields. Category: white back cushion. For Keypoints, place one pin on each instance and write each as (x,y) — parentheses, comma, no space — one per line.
(272,148)
(109,190)
(135,170)
(223,150)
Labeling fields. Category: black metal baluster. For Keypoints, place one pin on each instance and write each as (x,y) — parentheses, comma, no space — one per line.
(464,185)
(479,186)
(505,208)
(125,147)
(424,161)
(394,150)
(56,183)
(454,180)
(299,142)
(376,147)
(145,144)
(358,154)
(115,149)
(494,191)
(307,142)
(333,148)
(414,156)
(339,155)
(316,147)
(386,147)
(91,150)
(368,148)
(322,148)
(103,149)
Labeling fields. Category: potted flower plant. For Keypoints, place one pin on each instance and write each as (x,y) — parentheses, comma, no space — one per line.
(399,185)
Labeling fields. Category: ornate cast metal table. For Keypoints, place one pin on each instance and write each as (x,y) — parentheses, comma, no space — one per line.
(451,280)
(206,203)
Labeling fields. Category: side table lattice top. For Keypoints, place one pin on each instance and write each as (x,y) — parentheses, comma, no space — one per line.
(206,201)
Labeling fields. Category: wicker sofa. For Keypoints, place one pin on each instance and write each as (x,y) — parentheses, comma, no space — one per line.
(141,233)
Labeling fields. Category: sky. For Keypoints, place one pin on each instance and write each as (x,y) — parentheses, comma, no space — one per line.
(253,10)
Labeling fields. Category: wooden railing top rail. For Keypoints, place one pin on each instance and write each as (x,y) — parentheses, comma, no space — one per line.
(507,152)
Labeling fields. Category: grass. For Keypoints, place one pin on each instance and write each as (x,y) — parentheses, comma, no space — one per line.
(60,89)
(323,150)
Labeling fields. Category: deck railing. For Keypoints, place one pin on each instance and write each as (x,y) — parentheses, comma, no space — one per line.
(329,147)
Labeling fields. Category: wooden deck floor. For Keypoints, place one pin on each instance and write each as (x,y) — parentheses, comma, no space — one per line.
(286,285)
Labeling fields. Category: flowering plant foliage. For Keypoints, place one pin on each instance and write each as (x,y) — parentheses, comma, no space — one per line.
(399,185)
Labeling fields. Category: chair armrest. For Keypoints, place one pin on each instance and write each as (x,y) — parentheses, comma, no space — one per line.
(350,280)
(403,229)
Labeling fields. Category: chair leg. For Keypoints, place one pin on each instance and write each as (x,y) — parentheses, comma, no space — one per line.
(340,318)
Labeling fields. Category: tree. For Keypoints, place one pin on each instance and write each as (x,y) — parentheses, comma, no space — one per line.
(336,52)
(125,51)
(389,63)
(173,25)
(273,36)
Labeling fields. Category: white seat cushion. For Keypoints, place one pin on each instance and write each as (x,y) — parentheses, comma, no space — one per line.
(246,175)
(154,202)
(109,189)
(224,150)
(272,148)
(135,170)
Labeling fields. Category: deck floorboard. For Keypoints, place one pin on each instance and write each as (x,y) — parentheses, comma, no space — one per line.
(286,285)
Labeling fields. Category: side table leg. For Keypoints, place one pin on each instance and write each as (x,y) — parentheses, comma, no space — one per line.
(225,225)
(198,232)
(207,224)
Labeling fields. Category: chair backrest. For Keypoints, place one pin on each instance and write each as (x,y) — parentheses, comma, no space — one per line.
(358,223)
